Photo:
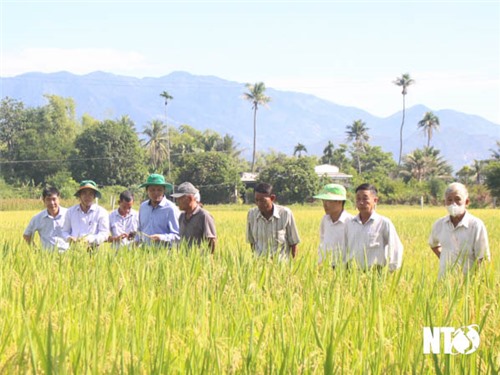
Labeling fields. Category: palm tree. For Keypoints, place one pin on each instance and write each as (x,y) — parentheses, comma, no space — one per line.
(422,164)
(256,95)
(357,133)
(157,143)
(299,149)
(166,96)
(328,153)
(429,124)
(404,81)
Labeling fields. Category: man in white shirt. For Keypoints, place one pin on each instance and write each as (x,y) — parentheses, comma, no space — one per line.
(371,239)
(459,239)
(87,221)
(48,223)
(124,221)
(333,223)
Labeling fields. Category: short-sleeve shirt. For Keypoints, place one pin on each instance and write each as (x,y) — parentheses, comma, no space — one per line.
(200,226)
(93,224)
(49,229)
(461,245)
(374,243)
(274,235)
(332,238)
(162,219)
(119,224)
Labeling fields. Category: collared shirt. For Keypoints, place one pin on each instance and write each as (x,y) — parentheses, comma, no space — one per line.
(462,245)
(274,235)
(332,238)
(93,224)
(374,243)
(200,226)
(162,219)
(49,229)
(119,224)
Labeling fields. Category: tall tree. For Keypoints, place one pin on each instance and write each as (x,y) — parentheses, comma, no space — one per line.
(328,153)
(299,149)
(156,144)
(429,124)
(357,133)
(256,95)
(404,81)
(166,96)
(110,153)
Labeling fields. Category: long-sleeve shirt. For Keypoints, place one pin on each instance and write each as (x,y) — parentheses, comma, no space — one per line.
(93,224)
(461,245)
(374,243)
(49,229)
(162,219)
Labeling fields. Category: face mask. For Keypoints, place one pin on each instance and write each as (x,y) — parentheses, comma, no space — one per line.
(455,210)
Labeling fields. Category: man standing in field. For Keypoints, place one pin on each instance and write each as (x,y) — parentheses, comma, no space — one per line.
(123,221)
(271,228)
(458,239)
(197,226)
(158,217)
(48,223)
(371,239)
(87,221)
(333,223)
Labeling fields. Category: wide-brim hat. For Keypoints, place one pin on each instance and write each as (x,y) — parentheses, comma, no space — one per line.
(156,179)
(88,184)
(332,192)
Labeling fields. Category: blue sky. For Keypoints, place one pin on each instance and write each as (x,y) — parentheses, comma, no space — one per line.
(346,52)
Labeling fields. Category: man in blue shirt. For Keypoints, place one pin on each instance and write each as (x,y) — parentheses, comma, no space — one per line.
(158,217)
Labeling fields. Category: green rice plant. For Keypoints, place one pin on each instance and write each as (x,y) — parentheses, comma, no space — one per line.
(157,311)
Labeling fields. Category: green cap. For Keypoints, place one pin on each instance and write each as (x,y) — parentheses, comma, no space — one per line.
(332,192)
(88,184)
(156,179)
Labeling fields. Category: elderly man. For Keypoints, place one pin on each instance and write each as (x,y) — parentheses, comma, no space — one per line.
(271,228)
(48,223)
(158,217)
(197,226)
(123,221)
(87,221)
(458,239)
(371,239)
(333,223)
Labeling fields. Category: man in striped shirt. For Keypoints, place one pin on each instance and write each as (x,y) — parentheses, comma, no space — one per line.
(271,228)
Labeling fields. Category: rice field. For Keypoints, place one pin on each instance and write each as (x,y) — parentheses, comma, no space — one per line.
(155,312)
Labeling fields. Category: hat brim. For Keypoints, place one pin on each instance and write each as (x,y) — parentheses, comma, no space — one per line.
(330,197)
(97,192)
(178,195)
(165,185)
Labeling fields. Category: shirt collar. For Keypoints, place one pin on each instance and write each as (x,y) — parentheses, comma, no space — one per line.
(275,213)
(162,203)
(372,217)
(465,222)
(92,207)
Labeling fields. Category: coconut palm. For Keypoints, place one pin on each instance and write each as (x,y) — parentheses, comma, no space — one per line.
(157,143)
(299,149)
(166,96)
(328,153)
(404,81)
(422,164)
(429,124)
(256,95)
(357,133)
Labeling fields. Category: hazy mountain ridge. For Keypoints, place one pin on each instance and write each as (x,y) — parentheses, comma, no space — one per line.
(208,102)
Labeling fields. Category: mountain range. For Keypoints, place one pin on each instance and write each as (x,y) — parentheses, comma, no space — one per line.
(208,102)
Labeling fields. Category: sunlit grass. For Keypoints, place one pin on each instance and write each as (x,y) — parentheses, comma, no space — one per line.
(151,311)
